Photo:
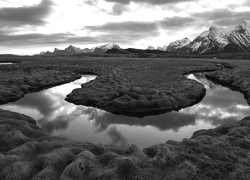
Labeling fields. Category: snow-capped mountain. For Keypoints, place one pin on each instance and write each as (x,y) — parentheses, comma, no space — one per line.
(164,48)
(150,48)
(105,47)
(176,45)
(71,50)
(67,51)
(216,40)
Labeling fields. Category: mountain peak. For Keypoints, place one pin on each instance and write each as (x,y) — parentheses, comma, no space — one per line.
(213,28)
(105,47)
(109,46)
(164,48)
(174,46)
(70,47)
(247,22)
(112,45)
(150,48)
(55,50)
(73,49)
(180,42)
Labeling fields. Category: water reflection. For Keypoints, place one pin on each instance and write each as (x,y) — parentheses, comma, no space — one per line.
(82,123)
(5,63)
(220,104)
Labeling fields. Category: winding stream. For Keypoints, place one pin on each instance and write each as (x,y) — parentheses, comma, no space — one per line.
(81,123)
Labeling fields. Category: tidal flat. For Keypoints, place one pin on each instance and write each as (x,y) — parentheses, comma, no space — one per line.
(129,87)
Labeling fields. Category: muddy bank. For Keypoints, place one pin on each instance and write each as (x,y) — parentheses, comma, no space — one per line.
(28,153)
(237,78)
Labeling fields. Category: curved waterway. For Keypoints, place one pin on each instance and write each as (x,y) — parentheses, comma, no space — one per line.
(81,123)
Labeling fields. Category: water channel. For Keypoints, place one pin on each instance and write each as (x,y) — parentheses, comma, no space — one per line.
(81,123)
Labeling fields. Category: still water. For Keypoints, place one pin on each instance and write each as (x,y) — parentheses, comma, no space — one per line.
(5,63)
(81,123)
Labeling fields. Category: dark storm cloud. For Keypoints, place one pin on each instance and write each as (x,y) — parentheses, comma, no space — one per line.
(43,39)
(223,17)
(153,2)
(31,15)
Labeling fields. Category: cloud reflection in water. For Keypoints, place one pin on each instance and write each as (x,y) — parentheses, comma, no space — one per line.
(82,123)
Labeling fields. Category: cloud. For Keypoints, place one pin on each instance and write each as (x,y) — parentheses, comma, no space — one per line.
(118,9)
(59,123)
(31,15)
(177,22)
(91,2)
(223,17)
(168,121)
(120,6)
(127,26)
(247,3)
(153,2)
(125,32)
(132,31)
(13,40)
(45,105)
(117,138)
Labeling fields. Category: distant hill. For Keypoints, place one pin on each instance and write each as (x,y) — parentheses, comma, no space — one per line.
(8,55)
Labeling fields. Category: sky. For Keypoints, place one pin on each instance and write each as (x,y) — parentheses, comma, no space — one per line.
(30,26)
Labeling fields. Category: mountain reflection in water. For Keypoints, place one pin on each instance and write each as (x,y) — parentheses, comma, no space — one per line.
(81,123)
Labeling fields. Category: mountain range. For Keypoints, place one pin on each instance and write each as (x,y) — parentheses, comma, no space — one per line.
(71,50)
(215,40)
